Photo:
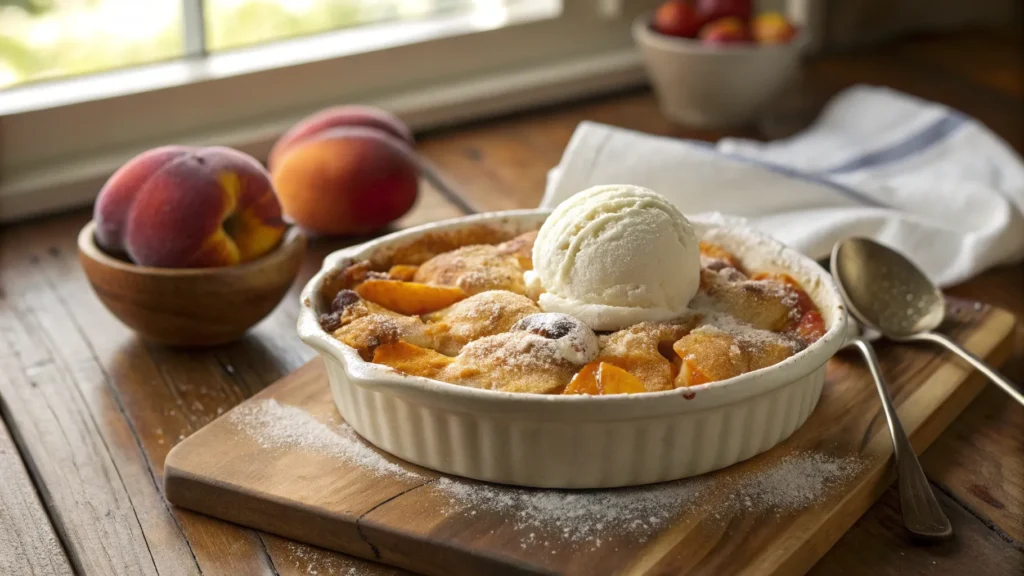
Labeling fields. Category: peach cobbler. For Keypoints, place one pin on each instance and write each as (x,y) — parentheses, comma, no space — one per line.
(455,307)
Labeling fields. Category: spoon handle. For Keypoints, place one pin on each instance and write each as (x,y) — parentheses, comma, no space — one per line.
(973,360)
(922,515)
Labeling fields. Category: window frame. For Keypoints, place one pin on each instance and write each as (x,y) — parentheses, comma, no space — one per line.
(193,20)
(456,75)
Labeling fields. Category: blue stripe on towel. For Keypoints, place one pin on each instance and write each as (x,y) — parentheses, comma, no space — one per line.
(786,171)
(924,139)
(913,145)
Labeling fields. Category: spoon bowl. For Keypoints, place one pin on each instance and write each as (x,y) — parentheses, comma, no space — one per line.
(884,290)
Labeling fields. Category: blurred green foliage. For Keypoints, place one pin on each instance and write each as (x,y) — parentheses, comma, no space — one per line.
(256,21)
(46,39)
(30,6)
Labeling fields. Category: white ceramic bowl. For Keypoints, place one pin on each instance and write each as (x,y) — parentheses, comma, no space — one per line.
(714,86)
(578,441)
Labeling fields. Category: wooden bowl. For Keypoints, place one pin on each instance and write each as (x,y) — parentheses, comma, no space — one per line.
(191,306)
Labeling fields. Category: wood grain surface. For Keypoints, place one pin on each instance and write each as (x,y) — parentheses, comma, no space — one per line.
(227,471)
(28,544)
(93,410)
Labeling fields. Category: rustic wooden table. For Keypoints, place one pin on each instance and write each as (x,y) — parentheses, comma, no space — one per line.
(90,411)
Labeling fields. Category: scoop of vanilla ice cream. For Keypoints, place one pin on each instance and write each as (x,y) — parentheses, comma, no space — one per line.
(614,256)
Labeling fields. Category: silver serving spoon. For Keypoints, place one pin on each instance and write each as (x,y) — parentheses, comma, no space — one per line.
(886,292)
(922,516)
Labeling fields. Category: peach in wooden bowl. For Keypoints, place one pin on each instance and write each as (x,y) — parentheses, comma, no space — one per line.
(191,306)
(189,246)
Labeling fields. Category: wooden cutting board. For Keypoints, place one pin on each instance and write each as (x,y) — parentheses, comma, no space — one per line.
(284,462)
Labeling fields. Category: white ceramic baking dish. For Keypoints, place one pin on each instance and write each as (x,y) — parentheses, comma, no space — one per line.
(578,441)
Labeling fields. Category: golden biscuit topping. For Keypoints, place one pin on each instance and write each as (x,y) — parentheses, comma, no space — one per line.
(484,314)
(474,269)
(462,316)
(511,362)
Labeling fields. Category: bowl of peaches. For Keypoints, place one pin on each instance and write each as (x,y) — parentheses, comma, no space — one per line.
(188,246)
(193,246)
(612,341)
(715,63)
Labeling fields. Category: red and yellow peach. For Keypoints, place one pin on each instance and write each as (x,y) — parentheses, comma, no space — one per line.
(729,30)
(711,10)
(339,117)
(772,28)
(347,170)
(677,18)
(183,207)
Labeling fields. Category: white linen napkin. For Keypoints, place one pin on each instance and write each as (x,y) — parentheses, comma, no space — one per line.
(927,180)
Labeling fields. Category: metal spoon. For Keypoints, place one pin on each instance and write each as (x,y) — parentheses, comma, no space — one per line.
(885,291)
(922,515)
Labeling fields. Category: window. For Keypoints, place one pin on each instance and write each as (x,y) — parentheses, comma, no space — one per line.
(50,39)
(87,84)
(46,39)
(235,23)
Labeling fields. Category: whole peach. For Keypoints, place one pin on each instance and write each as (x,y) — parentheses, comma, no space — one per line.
(337,117)
(711,10)
(118,194)
(677,18)
(350,180)
(725,31)
(181,207)
(772,28)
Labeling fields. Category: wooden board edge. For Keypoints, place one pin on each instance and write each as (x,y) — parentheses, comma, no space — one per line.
(282,517)
(407,551)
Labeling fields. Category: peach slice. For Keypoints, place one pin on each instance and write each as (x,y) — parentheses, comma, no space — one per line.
(403,272)
(585,381)
(713,252)
(410,298)
(708,357)
(810,326)
(410,359)
(602,378)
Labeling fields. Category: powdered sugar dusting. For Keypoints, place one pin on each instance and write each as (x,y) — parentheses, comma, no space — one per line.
(576,342)
(587,519)
(275,425)
(574,519)
(487,310)
(319,562)
(712,315)
(794,482)
(580,518)
(798,481)
(516,351)
(724,322)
